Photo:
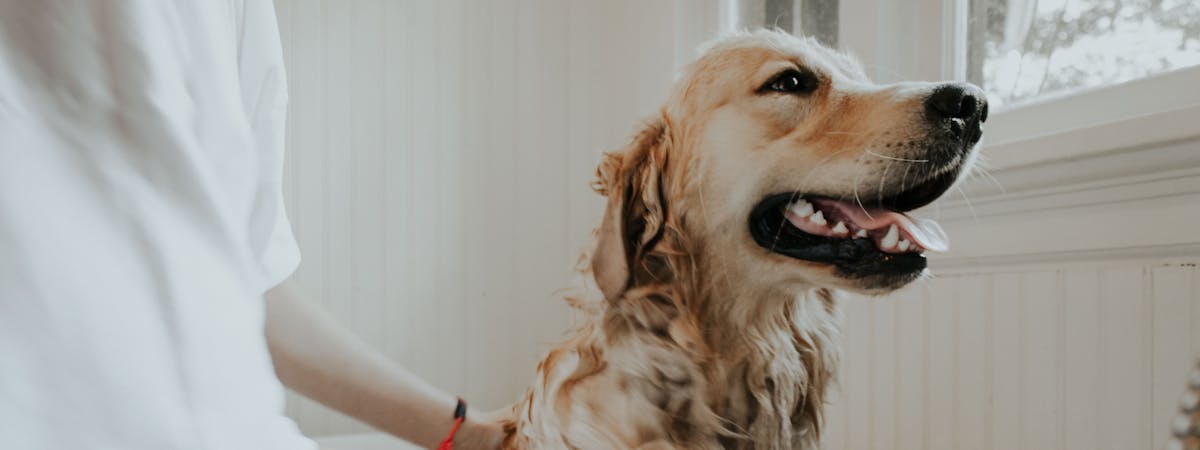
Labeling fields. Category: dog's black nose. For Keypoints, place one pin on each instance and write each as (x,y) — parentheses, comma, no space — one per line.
(961,101)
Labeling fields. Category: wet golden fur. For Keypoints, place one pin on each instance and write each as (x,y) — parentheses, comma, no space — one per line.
(703,340)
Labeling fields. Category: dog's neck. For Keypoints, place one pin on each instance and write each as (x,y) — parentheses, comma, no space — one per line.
(771,344)
(768,355)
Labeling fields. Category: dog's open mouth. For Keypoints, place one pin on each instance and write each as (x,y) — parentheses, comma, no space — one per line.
(860,241)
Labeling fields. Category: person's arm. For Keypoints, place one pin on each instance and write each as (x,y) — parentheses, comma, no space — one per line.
(317,357)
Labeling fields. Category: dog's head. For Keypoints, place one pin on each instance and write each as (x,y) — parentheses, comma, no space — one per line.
(776,162)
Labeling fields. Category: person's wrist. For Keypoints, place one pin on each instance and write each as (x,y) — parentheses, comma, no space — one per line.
(482,433)
(483,430)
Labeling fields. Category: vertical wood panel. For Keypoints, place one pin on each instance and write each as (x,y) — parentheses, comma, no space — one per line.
(1082,358)
(1171,289)
(837,416)
(424,212)
(447,96)
(859,356)
(1040,297)
(883,374)
(339,270)
(486,287)
(940,361)
(502,69)
(367,193)
(911,306)
(1195,310)
(1122,358)
(973,400)
(1006,361)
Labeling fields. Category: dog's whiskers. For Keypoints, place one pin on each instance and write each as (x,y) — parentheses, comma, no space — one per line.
(802,184)
(970,207)
(904,179)
(893,158)
(857,199)
(883,178)
(978,170)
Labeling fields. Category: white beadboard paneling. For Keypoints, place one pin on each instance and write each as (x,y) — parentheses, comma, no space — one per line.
(1089,355)
(440,155)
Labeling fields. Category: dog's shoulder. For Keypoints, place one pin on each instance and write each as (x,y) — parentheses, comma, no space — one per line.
(631,376)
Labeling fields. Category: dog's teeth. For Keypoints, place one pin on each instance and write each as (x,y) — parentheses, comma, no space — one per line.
(892,237)
(818,218)
(904,245)
(861,234)
(801,208)
(840,228)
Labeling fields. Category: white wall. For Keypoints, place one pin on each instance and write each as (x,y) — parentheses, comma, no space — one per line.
(440,156)
(1079,356)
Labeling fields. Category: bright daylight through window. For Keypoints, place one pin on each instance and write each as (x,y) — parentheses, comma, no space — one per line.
(1021,50)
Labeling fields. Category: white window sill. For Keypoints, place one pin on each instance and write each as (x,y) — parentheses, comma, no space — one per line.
(1149,130)
(1139,113)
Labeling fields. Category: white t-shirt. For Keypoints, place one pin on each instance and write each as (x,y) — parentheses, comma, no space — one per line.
(141,219)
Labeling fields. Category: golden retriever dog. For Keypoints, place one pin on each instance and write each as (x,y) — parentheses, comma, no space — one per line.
(775,175)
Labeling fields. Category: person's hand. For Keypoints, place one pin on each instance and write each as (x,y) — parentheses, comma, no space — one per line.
(483,430)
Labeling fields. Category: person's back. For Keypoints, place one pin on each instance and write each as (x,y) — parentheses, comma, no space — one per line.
(140,223)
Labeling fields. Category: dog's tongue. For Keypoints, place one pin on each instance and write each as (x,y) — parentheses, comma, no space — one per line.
(926,232)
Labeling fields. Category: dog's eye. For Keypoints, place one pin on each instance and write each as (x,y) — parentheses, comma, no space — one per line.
(792,82)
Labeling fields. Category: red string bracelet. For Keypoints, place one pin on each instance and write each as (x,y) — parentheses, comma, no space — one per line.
(460,414)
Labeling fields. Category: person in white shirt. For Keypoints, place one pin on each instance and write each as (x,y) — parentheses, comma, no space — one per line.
(144,246)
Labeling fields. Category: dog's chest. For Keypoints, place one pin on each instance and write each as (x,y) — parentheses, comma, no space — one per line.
(758,404)
(634,381)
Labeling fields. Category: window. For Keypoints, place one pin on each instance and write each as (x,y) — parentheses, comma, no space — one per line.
(816,18)
(1022,50)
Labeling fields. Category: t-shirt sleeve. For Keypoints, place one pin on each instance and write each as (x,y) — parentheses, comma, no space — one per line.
(265,98)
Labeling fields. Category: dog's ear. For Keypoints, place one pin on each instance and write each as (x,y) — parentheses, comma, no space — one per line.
(636,212)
